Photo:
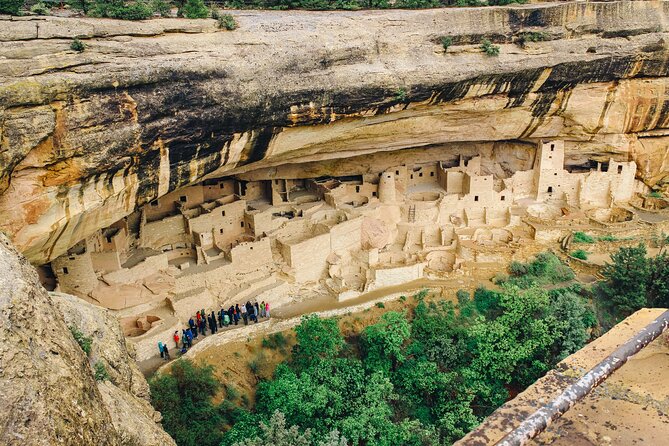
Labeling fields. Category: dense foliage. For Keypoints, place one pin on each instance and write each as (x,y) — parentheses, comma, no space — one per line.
(425,376)
(633,281)
(184,399)
(421,377)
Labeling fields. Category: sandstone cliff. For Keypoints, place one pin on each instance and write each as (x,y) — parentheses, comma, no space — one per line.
(150,107)
(48,394)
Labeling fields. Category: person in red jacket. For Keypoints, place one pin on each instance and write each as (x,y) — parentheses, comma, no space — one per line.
(176,338)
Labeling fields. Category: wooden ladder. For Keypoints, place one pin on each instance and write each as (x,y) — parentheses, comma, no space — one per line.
(412,213)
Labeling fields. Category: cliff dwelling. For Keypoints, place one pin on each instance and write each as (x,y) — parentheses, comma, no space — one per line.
(356,222)
(225,240)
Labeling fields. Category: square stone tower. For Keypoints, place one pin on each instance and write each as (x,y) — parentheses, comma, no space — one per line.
(548,169)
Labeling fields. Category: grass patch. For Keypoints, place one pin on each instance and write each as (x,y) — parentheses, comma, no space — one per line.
(275,341)
(545,269)
(227,22)
(580,254)
(446,42)
(489,49)
(100,372)
(85,342)
(582,237)
(77,45)
(608,238)
(401,95)
(655,194)
(380,305)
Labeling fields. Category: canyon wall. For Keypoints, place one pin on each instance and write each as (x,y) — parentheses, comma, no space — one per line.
(152,106)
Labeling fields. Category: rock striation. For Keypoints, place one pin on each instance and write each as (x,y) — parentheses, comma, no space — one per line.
(153,106)
(49,395)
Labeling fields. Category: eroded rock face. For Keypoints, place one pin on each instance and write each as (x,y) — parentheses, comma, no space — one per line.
(150,107)
(48,395)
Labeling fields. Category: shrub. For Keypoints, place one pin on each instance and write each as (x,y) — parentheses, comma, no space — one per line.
(161,7)
(226,21)
(607,238)
(517,268)
(275,341)
(532,37)
(85,342)
(582,237)
(231,392)
(100,372)
(400,95)
(580,254)
(446,42)
(380,305)
(403,298)
(655,194)
(118,9)
(489,49)
(195,9)
(463,297)
(40,9)
(257,364)
(183,397)
(10,6)
(626,279)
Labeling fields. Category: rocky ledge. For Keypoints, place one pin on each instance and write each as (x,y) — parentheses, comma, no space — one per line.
(152,106)
(48,392)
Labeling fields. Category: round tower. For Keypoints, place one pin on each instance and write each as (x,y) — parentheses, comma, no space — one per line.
(387,192)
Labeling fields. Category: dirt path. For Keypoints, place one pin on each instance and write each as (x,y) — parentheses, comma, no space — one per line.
(289,315)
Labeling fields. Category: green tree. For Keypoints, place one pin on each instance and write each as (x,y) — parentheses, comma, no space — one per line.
(81,5)
(275,433)
(195,9)
(384,341)
(569,316)
(184,399)
(316,339)
(658,281)
(11,7)
(626,280)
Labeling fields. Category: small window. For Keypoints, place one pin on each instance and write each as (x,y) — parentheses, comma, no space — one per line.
(397,172)
(108,239)
(221,230)
(412,176)
(71,258)
(555,174)
(431,174)
(552,147)
(476,198)
(223,213)
(276,181)
(373,194)
(242,224)
(550,189)
(154,203)
(620,169)
(222,185)
(503,198)
(183,199)
(420,174)
(251,248)
(550,157)
(357,188)
(65,270)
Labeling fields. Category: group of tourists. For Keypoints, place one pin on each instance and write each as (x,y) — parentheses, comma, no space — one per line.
(197,325)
